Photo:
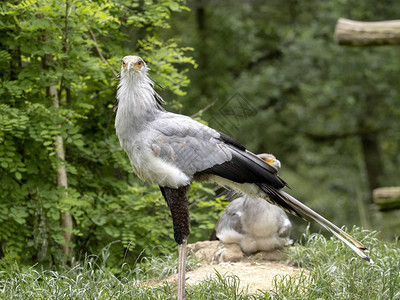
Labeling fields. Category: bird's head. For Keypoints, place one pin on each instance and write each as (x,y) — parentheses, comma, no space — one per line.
(133,65)
(270,159)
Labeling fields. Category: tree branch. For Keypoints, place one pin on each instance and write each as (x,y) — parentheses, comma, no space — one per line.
(99,51)
(203,110)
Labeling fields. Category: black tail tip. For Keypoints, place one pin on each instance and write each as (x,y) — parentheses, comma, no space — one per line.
(368,259)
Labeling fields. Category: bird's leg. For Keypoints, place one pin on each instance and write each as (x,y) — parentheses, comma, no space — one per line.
(181,270)
(178,204)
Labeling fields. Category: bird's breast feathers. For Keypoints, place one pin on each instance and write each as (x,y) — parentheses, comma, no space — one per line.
(152,168)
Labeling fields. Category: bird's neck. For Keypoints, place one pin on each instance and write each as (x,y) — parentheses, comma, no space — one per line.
(136,103)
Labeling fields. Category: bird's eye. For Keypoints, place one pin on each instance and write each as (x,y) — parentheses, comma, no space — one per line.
(122,62)
(139,63)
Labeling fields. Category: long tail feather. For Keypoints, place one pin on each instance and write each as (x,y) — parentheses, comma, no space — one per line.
(354,248)
(357,247)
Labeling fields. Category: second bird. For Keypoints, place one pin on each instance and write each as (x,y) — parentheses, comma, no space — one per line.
(253,223)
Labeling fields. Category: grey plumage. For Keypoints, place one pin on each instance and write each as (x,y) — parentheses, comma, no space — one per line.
(191,146)
(254,224)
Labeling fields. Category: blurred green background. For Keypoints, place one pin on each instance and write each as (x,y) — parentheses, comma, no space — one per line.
(268,73)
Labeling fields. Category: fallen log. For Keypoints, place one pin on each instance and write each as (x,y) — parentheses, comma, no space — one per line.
(387,198)
(356,33)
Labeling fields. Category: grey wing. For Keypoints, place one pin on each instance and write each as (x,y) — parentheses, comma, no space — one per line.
(187,144)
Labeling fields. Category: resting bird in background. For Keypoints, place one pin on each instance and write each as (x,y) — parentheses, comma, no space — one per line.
(171,150)
(253,223)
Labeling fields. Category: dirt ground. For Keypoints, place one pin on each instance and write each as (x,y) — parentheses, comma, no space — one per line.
(252,276)
(228,259)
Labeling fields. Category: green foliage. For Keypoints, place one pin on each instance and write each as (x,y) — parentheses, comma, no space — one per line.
(56,43)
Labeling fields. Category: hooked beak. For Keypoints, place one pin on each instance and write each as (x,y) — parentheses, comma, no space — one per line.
(276,163)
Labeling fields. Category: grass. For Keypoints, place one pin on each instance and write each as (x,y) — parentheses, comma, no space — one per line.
(333,272)
(336,273)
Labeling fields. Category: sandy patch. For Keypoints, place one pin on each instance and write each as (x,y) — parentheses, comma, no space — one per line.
(252,276)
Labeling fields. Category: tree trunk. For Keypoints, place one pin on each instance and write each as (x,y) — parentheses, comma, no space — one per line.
(62,179)
(355,33)
(202,49)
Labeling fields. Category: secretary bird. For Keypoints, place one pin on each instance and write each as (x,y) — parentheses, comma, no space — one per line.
(171,150)
(253,223)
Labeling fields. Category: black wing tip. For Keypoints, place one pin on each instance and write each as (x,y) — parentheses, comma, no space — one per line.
(227,139)
(280,200)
